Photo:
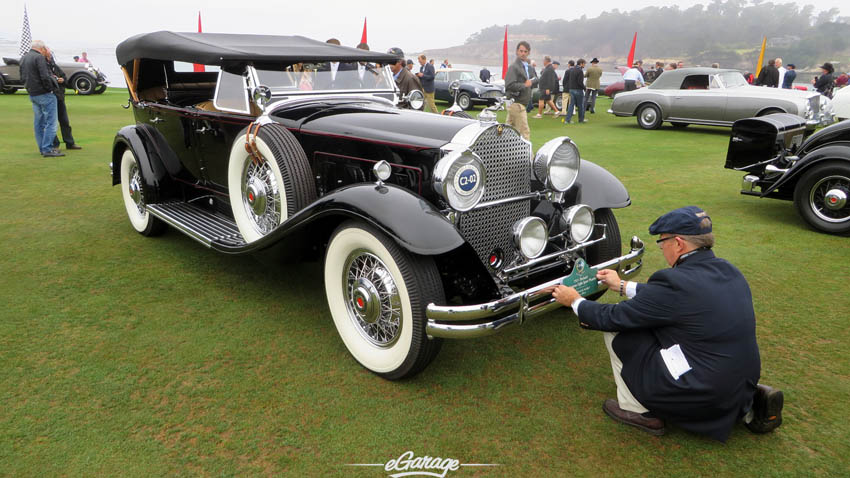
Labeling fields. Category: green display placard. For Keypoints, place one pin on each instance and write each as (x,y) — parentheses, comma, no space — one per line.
(582,278)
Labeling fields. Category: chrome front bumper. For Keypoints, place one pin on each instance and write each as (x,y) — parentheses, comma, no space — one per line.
(470,321)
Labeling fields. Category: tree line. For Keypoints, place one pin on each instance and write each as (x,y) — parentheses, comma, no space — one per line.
(721,31)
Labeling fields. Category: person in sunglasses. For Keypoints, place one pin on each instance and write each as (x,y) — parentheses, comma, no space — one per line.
(683,347)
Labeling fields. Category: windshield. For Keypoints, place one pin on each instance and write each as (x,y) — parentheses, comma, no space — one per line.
(303,79)
(462,76)
(732,79)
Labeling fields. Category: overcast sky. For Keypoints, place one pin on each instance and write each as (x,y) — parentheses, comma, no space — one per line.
(413,26)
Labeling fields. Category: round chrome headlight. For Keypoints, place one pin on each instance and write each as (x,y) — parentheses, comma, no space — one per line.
(416,99)
(459,178)
(579,220)
(531,236)
(557,163)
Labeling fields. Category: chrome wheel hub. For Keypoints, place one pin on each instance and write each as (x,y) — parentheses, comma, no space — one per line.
(261,196)
(135,189)
(828,199)
(372,298)
(648,116)
(256,196)
(835,199)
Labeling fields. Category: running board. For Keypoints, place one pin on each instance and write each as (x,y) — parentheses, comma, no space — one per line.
(197,223)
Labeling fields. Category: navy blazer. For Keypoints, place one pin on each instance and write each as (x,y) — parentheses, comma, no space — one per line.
(703,304)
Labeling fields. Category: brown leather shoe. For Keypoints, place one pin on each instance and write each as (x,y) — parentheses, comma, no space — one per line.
(653,426)
(73,146)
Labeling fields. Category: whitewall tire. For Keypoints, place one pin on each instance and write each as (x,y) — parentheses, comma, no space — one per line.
(377,294)
(263,194)
(133,193)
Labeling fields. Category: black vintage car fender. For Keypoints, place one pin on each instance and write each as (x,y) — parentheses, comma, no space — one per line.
(598,188)
(407,218)
(839,150)
(138,139)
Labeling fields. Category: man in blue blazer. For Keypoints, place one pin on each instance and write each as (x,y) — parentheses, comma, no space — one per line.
(683,348)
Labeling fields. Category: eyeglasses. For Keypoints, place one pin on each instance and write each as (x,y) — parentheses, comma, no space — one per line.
(659,241)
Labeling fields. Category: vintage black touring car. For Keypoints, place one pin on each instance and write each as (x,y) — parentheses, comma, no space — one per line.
(782,163)
(429,226)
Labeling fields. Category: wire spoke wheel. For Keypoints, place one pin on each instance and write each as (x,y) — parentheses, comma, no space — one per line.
(828,198)
(372,297)
(261,196)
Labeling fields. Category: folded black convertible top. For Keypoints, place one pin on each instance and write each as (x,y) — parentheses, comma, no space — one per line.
(225,48)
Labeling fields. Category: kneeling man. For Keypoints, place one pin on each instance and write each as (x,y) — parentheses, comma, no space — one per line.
(683,348)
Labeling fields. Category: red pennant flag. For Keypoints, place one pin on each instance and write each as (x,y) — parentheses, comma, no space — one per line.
(505,54)
(631,59)
(363,36)
(197,66)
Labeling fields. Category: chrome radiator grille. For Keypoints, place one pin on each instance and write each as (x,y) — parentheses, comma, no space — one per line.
(507,159)
(490,229)
(814,102)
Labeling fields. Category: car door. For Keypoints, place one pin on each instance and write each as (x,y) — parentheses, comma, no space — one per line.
(700,98)
(441,85)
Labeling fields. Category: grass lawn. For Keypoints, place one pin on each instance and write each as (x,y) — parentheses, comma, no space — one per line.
(127,356)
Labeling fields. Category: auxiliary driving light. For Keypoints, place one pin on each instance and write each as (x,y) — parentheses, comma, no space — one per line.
(579,220)
(531,236)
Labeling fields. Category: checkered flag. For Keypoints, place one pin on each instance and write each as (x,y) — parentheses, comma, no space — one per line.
(26,35)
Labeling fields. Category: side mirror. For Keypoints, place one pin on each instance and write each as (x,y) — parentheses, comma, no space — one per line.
(416,99)
(262,95)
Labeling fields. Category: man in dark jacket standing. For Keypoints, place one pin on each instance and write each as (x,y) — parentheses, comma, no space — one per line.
(519,80)
(61,109)
(769,75)
(548,87)
(574,83)
(683,348)
(40,85)
(426,78)
(790,76)
(484,75)
(403,77)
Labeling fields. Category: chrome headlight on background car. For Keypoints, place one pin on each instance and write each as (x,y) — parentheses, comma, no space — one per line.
(557,163)
(459,178)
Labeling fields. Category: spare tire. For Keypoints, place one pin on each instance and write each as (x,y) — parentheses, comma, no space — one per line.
(263,194)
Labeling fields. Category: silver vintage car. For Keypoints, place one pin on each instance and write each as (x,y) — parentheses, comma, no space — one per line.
(715,97)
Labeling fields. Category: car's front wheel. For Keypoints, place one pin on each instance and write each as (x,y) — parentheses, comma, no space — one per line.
(649,116)
(133,192)
(822,197)
(377,294)
(464,101)
(267,189)
(84,84)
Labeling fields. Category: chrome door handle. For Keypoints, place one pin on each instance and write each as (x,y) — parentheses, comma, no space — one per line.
(204,130)
(156,120)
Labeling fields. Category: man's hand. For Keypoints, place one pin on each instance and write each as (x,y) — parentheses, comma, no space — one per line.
(565,295)
(420,74)
(547,92)
(610,278)
(528,83)
(60,79)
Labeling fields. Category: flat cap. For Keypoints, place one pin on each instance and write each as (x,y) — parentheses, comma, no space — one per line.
(685,220)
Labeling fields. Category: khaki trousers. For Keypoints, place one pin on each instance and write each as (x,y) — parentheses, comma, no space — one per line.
(518,118)
(429,103)
(565,102)
(625,398)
